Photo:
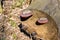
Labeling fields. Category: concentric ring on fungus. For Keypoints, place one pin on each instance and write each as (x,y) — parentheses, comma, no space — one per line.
(42,20)
(26,14)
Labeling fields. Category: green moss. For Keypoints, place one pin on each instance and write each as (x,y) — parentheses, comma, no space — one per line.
(0,8)
(18,3)
(2,38)
(12,23)
(14,36)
